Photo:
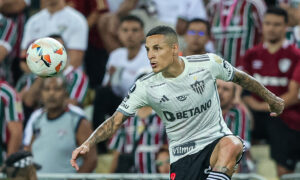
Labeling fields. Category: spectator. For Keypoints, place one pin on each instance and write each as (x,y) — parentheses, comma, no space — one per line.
(121,70)
(109,22)
(20,166)
(96,55)
(163,161)
(17,11)
(189,10)
(147,130)
(293,33)
(237,119)
(11,121)
(8,34)
(62,127)
(196,37)
(57,18)
(275,63)
(236,26)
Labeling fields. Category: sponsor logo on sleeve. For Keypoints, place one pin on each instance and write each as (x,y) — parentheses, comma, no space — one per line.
(126,106)
(132,89)
(218,59)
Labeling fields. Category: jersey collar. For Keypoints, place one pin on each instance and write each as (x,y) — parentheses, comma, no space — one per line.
(284,45)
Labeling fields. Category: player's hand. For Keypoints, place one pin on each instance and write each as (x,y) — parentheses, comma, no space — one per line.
(276,107)
(81,150)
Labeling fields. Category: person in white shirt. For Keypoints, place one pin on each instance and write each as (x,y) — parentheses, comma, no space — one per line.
(57,18)
(183,92)
(122,69)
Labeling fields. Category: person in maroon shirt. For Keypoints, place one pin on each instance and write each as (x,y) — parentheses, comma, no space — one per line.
(276,64)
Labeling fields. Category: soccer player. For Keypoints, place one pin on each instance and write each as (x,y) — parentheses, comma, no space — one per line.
(183,92)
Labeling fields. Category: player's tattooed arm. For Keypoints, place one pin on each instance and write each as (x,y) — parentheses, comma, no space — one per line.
(103,132)
(106,129)
(276,104)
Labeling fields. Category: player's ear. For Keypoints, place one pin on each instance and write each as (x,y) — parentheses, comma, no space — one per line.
(175,49)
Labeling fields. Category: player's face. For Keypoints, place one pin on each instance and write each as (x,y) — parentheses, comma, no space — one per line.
(274,28)
(163,163)
(131,34)
(196,36)
(53,93)
(160,53)
(226,93)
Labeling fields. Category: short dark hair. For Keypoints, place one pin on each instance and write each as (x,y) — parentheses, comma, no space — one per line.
(199,20)
(132,18)
(167,31)
(279,12)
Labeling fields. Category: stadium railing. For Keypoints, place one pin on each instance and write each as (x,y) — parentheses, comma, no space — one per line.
(95,176)
(293,176)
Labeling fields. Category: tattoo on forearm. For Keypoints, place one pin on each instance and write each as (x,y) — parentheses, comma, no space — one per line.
(249,83)
(106,130)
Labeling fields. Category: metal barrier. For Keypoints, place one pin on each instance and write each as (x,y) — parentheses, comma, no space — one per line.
(293,176)
(94,176)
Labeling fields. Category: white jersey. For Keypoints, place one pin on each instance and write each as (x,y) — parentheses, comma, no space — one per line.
(188,104)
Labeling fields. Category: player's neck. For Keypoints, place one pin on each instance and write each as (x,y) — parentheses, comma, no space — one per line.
(132,52)
(273,47)
(56,7)
(175,69)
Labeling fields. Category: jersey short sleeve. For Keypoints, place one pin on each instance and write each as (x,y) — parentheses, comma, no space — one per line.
(220,69)
(135,99)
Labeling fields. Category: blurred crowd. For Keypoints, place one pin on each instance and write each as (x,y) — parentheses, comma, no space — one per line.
(43,120)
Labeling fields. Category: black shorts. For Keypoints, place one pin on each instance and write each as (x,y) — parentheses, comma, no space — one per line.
(284,142)
(195,166)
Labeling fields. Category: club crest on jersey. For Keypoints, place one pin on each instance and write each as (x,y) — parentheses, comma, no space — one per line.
(198,87)
(284,65)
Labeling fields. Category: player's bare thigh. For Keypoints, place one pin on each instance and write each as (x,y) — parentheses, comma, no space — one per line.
(225,154)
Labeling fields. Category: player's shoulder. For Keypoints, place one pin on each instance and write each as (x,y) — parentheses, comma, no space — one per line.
(203,60)
(147,78)
(198,58)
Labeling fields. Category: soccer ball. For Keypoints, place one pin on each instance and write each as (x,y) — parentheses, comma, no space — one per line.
(46,57)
